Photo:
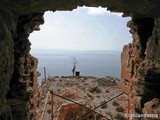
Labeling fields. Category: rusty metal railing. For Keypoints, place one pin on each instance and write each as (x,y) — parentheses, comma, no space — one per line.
(89,109)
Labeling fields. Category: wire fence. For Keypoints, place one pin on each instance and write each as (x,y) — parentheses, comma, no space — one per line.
(100,105)
(85,106)
(65,98)
(44,73)
(81,117)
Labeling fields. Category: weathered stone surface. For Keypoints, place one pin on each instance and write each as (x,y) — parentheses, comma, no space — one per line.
(8,26)
(140,62)
(5,112)
(153,108)
(23,96)
(136,8)
(71,112)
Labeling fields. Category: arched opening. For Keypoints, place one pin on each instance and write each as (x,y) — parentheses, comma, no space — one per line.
(94,36)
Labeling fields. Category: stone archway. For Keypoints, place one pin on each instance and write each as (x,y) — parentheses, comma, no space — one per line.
(140,59)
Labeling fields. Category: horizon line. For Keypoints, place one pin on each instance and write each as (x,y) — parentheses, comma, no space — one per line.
(75,50)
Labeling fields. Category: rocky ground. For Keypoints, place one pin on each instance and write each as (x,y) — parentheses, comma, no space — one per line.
(88,91)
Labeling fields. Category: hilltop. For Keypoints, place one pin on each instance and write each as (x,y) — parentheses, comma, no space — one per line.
(89,91)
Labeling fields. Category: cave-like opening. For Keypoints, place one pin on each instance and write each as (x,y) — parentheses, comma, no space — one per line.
(148,66)
(145,28)
(89,30)
(116,28)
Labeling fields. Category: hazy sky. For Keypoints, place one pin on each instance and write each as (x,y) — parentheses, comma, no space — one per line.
(82,29)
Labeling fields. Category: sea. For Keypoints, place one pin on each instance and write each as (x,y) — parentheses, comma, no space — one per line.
(98,63)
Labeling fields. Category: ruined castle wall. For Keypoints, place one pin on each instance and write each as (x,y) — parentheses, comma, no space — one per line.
(18,76)
(140,63)
(18,79)
(8,27)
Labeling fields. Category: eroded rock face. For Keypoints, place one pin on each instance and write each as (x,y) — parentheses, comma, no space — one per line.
(152,107)
(140,59)
(8,24)
(71,111)
(140,62)
(18,76)
(23,95)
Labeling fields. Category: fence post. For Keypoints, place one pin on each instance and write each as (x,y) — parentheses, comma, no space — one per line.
(129,102)
(45,73)
(90,110)
(45,105)
(129,108)
(52,106)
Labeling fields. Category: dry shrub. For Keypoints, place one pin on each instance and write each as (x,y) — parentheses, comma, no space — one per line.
(115,103)
(95,90)
(106,82)
(120,109)
(49,111)
(105,105)
(120,117)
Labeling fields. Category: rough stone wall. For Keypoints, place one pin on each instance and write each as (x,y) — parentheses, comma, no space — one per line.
(7,29)
(19,92)
(23,95)
(135,8)
(141,63)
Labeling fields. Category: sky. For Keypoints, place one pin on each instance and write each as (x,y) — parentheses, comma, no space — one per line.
(85,28)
